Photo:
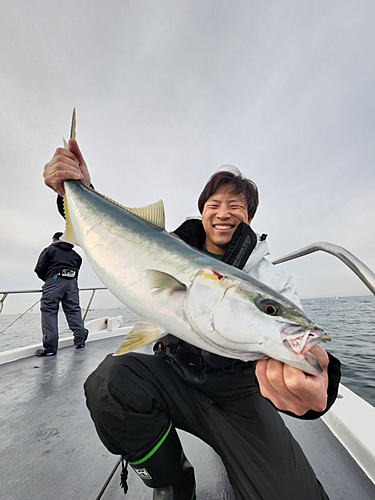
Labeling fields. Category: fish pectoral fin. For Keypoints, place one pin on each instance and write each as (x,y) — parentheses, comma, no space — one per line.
(162,281)
(142,334)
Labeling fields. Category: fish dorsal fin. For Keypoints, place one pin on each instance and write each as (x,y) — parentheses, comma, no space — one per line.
(153,213)
(142,334)
(162,281)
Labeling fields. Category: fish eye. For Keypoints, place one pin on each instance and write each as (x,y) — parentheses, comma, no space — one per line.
(271,308)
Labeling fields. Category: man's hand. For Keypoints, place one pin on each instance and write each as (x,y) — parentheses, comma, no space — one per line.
(292,390)
(66,164)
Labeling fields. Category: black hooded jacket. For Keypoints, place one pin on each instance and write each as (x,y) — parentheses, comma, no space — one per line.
(59,255)
(242,244)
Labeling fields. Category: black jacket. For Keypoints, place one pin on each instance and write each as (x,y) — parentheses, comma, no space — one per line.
(59,255)
(242,244)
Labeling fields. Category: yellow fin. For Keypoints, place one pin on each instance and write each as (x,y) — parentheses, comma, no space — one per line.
(153,213)
(73,127)
(73,134)
(163,281)
(69,235)
(142,334)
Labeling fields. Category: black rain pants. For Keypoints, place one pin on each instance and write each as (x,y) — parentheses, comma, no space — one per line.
(64,291)
(133,397)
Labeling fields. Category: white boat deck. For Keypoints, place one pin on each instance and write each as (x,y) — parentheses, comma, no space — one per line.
(50,449)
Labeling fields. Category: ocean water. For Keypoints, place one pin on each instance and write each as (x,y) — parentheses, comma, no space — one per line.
(350,321)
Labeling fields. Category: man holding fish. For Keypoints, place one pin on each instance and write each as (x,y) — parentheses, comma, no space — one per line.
(197,383)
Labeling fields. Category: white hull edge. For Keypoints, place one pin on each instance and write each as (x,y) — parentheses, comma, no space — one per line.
(99,329)
(351,419)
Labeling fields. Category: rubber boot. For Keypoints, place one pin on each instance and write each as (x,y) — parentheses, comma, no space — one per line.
(166,469)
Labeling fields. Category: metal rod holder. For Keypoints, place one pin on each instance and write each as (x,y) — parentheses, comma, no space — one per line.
(363,272)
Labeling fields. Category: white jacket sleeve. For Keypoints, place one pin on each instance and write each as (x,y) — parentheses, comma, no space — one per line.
(270,275)
(290,292)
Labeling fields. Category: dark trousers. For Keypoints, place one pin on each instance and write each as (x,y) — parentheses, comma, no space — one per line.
(62,291)
(132,398)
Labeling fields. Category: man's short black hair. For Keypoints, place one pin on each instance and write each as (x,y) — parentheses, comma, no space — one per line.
(57,236)
(236,183)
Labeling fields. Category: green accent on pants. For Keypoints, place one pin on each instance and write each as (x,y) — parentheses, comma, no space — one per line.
(154,449)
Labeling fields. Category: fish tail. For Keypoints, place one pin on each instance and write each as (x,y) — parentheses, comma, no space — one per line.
(69,234)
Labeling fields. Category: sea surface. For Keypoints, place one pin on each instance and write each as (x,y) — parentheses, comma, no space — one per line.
(350,321)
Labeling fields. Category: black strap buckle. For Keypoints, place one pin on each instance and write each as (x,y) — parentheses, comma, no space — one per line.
(184,357)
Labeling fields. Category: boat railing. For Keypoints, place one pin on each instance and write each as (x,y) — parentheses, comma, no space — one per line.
(4,295)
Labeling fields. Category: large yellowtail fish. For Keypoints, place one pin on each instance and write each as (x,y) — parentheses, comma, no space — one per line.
(179,290)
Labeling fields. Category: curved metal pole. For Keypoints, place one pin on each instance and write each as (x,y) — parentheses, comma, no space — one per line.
(363,272)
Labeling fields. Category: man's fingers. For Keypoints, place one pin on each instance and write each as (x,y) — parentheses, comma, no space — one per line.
(65,153)
(290,389)
(310,388)
(66,164)
(321,355)
(275,376)
(60,162)
(270,375)
(55,178)
(298,382)
(74,148)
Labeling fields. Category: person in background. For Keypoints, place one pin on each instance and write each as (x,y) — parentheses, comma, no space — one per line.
(58,267)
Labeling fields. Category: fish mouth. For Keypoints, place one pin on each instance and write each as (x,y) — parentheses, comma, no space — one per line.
(302,338)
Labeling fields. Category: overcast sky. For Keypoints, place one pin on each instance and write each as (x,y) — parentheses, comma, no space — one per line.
(168,91)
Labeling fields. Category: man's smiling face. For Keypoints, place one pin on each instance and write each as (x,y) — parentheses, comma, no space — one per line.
(222,213)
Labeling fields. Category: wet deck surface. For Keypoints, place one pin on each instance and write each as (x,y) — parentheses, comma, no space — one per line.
(49,447)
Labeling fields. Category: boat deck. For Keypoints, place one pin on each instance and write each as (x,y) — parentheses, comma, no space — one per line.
(49,447)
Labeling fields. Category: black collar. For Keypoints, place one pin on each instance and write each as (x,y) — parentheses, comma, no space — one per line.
(242,244)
